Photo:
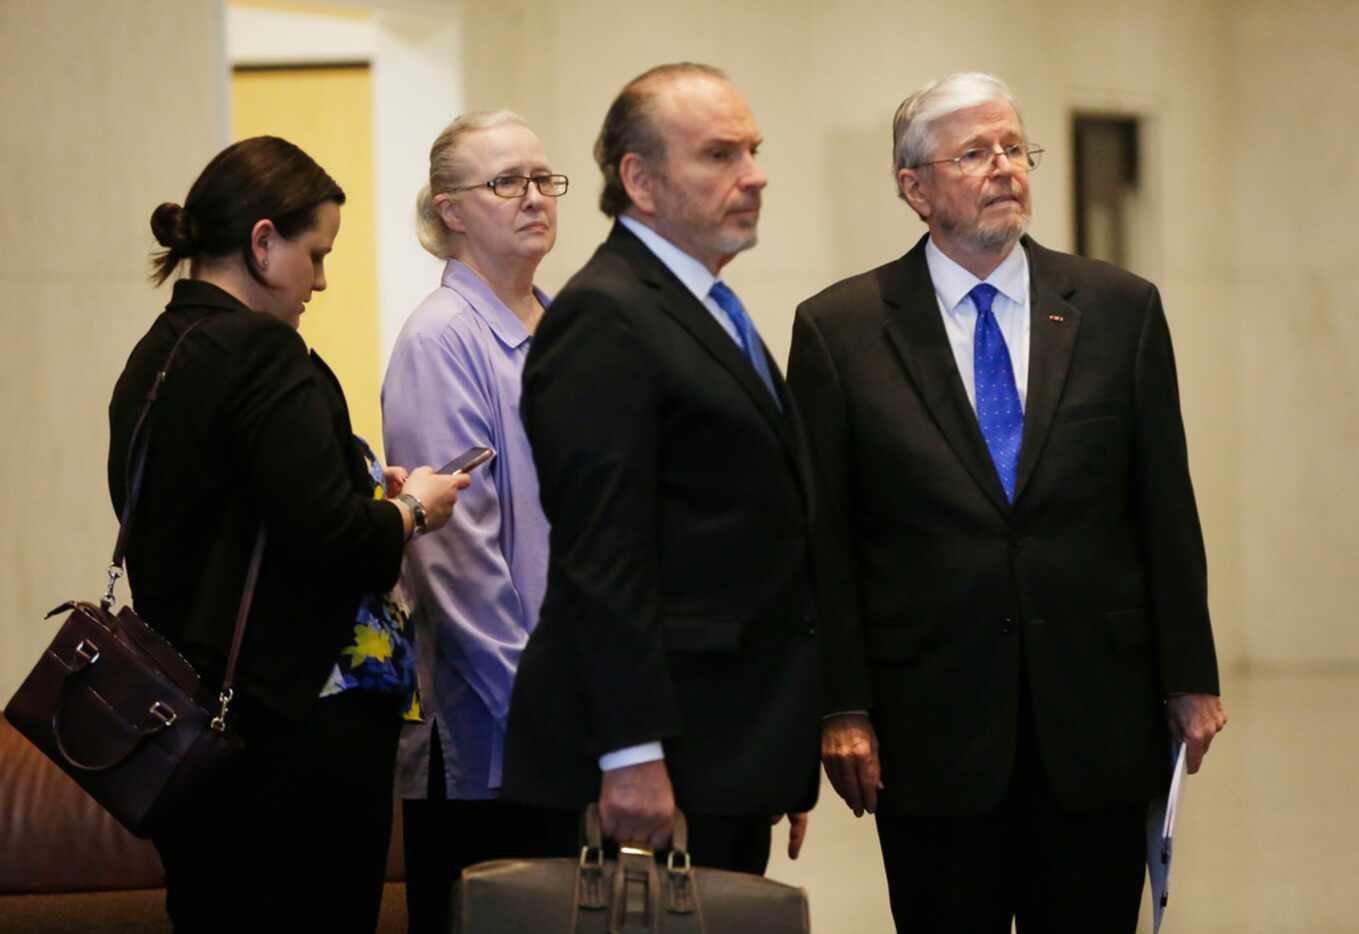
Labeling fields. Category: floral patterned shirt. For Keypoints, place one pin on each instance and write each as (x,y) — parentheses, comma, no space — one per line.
(381,656)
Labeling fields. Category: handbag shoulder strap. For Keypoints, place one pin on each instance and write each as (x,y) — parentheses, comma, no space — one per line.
(136,467)
(140,440)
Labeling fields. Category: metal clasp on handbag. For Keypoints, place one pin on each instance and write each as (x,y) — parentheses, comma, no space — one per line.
(218,723)
(115,571)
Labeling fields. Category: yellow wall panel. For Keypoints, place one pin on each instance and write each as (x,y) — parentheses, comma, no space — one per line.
(328,112)
(311,9)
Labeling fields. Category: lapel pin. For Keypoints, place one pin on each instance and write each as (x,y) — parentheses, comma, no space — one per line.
(1057,318)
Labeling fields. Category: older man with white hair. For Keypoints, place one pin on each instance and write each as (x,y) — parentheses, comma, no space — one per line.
(1010,545)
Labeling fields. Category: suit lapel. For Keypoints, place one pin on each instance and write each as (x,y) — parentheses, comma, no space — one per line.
(916,331)
(1053,326)
(681,305)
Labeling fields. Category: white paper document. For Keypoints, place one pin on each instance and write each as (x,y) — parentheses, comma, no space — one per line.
(1161,839)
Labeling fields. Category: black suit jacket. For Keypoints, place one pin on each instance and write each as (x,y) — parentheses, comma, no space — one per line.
(248,428)
(1091,585)
(678,605)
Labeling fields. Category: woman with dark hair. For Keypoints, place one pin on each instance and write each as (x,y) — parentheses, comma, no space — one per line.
(251,432)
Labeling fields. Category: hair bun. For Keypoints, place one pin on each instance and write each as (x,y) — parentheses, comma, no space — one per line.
(174,229)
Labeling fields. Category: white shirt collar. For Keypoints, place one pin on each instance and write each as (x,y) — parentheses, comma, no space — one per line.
(952,282)
(691,272)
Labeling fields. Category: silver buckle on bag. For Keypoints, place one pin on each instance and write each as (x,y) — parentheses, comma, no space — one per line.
(164,713)
(88,652)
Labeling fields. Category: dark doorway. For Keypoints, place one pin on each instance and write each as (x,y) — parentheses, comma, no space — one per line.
(1106,186)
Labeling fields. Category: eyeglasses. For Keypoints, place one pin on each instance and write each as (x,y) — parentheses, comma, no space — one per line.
(977,161)
(516,186)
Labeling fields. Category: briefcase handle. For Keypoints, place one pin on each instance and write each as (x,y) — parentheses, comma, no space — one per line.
(636,896)
(679,838)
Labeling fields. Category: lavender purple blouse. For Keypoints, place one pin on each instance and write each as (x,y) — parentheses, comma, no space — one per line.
(477,583)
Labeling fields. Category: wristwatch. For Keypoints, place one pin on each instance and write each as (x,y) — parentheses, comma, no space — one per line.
(417,512)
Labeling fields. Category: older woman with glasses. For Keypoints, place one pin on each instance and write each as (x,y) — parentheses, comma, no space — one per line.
(490,211)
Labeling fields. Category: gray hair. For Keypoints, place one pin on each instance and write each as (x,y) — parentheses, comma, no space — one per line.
(447,170)
(913,139)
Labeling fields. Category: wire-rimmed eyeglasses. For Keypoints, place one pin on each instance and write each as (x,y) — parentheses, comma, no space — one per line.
(516,186)
(978,160)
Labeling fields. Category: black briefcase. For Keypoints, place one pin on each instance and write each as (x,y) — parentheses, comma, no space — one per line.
(633,895)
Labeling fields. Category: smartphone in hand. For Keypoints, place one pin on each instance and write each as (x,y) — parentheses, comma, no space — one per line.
(468,460)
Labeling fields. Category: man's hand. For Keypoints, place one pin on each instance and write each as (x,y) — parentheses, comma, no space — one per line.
(849,751)
(797,831)
(1196,719)
(637,805)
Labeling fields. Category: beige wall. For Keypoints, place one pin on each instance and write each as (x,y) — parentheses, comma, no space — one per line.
(1252,181)
(109,108)
(1293,155)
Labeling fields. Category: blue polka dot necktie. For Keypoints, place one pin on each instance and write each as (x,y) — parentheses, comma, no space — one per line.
(998,412)
(747,336)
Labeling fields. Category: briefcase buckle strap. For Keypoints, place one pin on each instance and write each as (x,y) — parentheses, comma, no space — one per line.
(590,879)
(636,894)
(680,896)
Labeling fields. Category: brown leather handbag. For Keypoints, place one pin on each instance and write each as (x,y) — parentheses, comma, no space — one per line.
(633,895)
(114,705)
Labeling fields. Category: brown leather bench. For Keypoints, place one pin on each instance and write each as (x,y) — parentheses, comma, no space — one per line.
(66,866)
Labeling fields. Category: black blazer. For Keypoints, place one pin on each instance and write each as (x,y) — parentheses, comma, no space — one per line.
(1092,585)
(248,428)
(677,605)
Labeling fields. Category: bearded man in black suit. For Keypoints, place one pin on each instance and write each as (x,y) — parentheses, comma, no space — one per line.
(675,660)
(1010,544)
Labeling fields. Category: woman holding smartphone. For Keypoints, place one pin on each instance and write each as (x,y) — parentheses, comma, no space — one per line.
(489,211)
(251,431)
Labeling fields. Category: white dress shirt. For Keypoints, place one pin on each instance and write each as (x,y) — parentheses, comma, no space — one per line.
(952,283)
(694,275)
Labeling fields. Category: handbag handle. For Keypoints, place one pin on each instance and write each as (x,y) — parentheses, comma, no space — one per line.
(134,468)
(83,657)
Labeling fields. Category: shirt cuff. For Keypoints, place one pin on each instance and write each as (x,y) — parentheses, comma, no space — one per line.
(631,755)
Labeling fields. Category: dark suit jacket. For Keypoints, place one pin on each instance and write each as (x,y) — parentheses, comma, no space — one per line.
(248,427)
(1091,586)
(678,604)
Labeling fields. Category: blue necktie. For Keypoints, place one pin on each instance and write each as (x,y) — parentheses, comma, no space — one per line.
(998,412)
(748,337)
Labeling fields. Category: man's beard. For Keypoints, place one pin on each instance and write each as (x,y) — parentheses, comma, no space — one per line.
(704,232)
(984,237)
